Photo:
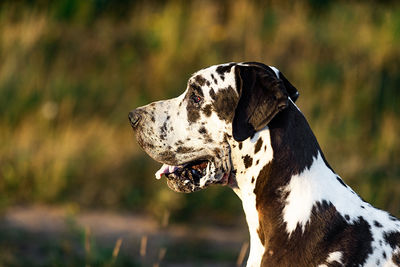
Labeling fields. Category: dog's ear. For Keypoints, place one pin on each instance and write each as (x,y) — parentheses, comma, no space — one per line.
(261,96)
(292,91)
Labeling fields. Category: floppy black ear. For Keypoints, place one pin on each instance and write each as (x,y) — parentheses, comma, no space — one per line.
(262,96)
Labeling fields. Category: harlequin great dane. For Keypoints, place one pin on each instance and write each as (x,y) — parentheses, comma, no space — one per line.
(237,125)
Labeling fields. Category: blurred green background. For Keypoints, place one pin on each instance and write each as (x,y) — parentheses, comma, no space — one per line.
(71,70)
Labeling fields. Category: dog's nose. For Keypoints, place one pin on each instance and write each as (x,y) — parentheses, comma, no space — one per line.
(134,118)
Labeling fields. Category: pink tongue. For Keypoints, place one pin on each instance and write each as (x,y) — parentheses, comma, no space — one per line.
(165,169)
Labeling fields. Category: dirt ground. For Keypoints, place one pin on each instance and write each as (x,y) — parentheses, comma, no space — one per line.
(43,236)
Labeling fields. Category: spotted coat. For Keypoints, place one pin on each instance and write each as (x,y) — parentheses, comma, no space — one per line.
(241,122)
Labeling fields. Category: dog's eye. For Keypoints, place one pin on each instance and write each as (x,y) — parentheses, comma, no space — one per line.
(196,99)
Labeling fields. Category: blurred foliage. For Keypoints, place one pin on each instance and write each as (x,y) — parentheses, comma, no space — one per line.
(71,70)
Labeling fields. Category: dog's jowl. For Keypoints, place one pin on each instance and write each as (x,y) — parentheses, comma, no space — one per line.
(237,125)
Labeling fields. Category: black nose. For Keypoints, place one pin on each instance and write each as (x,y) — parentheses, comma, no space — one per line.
(134,118)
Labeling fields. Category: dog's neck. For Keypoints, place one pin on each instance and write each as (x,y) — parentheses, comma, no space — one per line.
(265,165)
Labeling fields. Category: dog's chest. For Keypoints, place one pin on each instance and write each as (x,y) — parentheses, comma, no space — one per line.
(248,158)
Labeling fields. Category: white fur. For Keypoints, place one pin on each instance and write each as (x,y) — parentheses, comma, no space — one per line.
(317,184)
(275,70)
(245,189)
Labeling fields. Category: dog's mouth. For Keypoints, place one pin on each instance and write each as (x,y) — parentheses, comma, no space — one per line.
(192,176)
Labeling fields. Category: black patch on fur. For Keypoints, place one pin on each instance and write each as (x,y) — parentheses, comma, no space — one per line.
(257,162)
(392,238)
(212,94)
(258,145)
(163,131)
(377,224)
(248,161)
(312,247)
(193,115)
(240,145)
(203,130)
(384,255)
(153,119)
(207,110)
(347,217)
(341,181)
(179,142)
(225,103)
(168,157)
(396,258)
(208,83)
(221,70)
(215,80)
(197,89)
(252,179)
(184,150)
(200,80)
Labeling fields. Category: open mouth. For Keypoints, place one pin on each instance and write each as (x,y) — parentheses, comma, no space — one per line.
(191,172)
(192,176)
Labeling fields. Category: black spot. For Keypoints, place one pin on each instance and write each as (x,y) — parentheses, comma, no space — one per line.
(396,258)
(184,150)
(392,238)
(225,103)
(248,161)
(163,131)
(215,80)
(258,145)
(257,162)
(221,70)
(168,157)
(193,113)
(153,119)
(377,224)
(377,262)
(384,255)
(207,110)
(341,181)
(222,77)
(240,145)
(179,142)
(193,109)
(252,179)
(347,217)
(212,94)
(200,80)
(168,117)
(362,207)
(208,83)
(203,130)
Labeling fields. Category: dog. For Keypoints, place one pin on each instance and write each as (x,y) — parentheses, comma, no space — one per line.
(237,125)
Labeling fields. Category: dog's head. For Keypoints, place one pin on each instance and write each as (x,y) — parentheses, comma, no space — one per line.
(189,134)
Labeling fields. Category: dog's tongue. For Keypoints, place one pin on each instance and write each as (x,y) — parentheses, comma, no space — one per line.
(165,169)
